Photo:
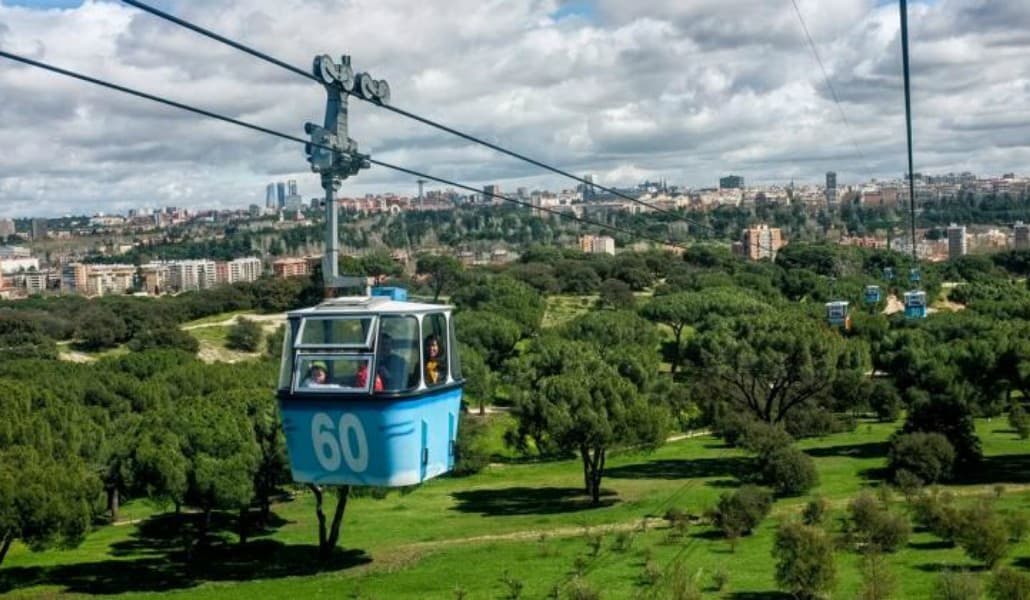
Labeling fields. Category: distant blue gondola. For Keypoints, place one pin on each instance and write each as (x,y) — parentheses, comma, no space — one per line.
(370,391)
(838,314)
(872,294)
(888,273)
(914,276)
(915,304)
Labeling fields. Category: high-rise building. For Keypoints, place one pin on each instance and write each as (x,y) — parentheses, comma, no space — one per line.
(831,189)
(6,227)
(956,241)
(39,229)
(597,244)
(731,182)
(490,191)
(1021,236)
(271,198)
(761,242)
(588,188)
(280,189)
(291,187)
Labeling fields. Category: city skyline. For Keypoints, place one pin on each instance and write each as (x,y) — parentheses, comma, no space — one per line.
(626,92)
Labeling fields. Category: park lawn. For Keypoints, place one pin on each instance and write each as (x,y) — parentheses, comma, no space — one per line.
(561,309)
(219,318)
(527,519)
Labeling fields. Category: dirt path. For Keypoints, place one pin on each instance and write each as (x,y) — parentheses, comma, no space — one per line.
(274,319)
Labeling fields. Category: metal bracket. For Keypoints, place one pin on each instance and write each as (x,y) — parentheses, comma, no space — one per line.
(333,154)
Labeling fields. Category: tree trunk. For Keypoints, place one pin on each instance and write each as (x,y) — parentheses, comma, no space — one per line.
(342,494)
(266,509)
(676,351)
(112,503)
(5,545)
(243,524)
(317,491)
(596,474)
(584,452)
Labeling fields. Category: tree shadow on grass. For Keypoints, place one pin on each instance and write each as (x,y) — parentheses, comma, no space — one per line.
(155,559)
(529,501)
(760,596)
(736,466)
(1005,468)
(941,567)
(867,450)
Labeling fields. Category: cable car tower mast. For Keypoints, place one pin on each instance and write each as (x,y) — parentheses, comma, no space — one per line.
(334,155)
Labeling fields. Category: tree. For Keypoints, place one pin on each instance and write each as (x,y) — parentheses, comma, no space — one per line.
(928,456)
(804,560)
(491,335)
(244,335)
(875,527)
(983,534)
(503,297)
(441,271)
(101,328)
(789,471)
(569,399)
(1009,584)
(957,585)
(167,337)
(739,512)
(878,581)
(770,366)
(948,415)
(616,294)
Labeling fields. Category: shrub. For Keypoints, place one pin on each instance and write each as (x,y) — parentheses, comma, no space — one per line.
(804,560)
(245,335)
(815,511)
(1018,524)
(909,484)
(928,456)
(876,527)
(878,582)
(790,471)
(1019,420)
(982,534)
(738,513)
(1008,584)
(762,438)
(885,401)
(471,449)
(949,415)
(580,589)
(936,511)
(957,585)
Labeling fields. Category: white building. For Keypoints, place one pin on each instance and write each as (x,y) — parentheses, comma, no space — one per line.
(9,266)
(597,244)
(192,275)
(957,241)
(244,269)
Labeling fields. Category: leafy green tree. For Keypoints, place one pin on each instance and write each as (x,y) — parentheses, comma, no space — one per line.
(1009,584)
(616,294)
(738,513)
(569,399)
(480,380)
(504,297)
(169,337)
(957,585)
(983,534)
(804,560)
(244,335)
(443,272)
(949,415)
(770,366)
(789,471)
(1019,420)
(101,328)
(493,336)
(928,456)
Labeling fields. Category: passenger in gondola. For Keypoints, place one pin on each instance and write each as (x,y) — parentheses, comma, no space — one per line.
(434,361)
(361,380)
(318,376)
(391,367)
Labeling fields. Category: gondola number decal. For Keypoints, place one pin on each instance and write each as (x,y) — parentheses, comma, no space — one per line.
(333,444)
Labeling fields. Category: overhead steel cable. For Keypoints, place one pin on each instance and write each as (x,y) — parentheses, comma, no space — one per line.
(286,136)
(903,6)
(829,84)
(468,137)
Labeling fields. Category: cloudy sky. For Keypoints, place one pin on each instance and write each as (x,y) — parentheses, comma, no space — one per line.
(624,89)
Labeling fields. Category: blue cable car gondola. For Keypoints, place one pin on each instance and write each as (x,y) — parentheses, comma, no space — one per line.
(888,273)
(838,314)
(915,304)
(370,391)
(872,294)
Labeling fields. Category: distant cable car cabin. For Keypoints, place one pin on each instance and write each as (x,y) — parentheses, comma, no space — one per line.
(872,294)
(888,273)
(838,314)
(915,304)
(370,390)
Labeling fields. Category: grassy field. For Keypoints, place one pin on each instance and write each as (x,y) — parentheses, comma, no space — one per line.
(515,523)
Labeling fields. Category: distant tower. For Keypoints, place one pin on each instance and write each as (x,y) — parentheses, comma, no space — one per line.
(588,187)
(956,241)
(831,189)
(280,189)
(291,187)
(421,197)
(271,199)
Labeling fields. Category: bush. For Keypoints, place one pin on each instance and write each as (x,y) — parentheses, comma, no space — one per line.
(936,511)
(244,335)
(168,337)
(878,582)
(957,585)
(949,415)
(804,560)
(1019,420)
(738,513)
(982,534)
(815,511)
(762,438)
(471,449)
(928,456)
(876,527)
(1008,584)
(790,471)
(885,401)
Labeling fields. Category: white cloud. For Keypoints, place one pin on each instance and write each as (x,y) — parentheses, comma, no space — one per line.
(685,91)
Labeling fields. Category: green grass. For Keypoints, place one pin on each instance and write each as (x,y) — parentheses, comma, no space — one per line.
(528,519)
(561,309)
